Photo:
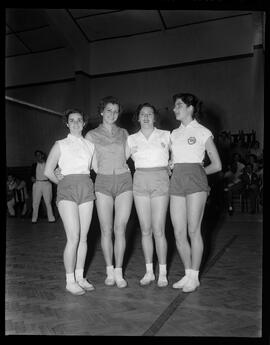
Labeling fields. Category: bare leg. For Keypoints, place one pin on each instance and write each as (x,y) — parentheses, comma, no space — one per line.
(195,209)
(85,216)
(105,205)
(143,208)
(123,204)
(179,222)
(159,206)
(69,214)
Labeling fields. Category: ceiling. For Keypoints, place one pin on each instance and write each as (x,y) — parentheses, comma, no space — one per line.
(30,31)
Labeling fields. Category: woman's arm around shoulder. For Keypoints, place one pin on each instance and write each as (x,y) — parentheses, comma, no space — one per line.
(213,155)
(89,137)
(52,162)
(127,147)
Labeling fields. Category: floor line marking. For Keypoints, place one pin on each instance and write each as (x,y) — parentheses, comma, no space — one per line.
(166,314)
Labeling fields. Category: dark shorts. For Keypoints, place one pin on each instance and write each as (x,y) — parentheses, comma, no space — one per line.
(188,178)
(77,188)
(151,182)
(113,185)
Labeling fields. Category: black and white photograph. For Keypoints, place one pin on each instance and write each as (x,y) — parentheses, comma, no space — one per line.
(134,152)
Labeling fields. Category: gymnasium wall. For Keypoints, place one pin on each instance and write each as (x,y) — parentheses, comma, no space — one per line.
(224,71)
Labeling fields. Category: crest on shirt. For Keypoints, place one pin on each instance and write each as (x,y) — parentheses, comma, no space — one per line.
(191,140)
(163,145)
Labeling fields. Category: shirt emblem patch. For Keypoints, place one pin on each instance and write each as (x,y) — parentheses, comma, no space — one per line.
(163,145)
(191,140)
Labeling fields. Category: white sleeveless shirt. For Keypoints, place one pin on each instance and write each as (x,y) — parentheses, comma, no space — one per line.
(75,155)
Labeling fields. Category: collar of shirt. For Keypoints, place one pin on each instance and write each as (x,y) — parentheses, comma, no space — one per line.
(73,138)
(193,123)
(150,136)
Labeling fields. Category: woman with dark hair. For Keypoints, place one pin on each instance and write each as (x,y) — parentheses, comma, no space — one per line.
(149,149)
(75,197)
(189,185)
(113,187)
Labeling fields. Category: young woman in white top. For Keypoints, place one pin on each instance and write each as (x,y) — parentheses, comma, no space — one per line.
(189,185)
(75,196)
(149,148)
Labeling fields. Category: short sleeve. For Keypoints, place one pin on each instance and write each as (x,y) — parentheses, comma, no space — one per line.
(89,137)
(206,134)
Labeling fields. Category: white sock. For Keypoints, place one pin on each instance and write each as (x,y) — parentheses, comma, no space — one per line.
(194,274)
(70,278)
(149,268)
(79,274)
(118,273)
(162,270)
(109,271)
(187,272)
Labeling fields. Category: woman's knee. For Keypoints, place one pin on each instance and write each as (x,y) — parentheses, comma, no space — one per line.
(106,231)
(180,235)
(146,231)
(194,231)
(120,228)
(158,231)
(73,240)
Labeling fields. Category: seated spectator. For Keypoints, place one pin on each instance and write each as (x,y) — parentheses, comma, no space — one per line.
(232,181)
(16,196)
(255,149)
(252,159)
(251,185)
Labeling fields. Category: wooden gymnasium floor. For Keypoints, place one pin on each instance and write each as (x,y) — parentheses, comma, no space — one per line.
(227,304)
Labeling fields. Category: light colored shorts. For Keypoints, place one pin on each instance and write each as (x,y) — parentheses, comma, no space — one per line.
(76,187)
(188,178)
(113,185)
(151,182)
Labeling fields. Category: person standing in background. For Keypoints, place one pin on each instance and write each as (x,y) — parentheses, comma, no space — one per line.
(113,187)
(189,185)
(149,149)
(75,197)
(42,187)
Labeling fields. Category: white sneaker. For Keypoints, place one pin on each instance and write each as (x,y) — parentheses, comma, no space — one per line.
(109,281)
(121,283)
(162,281)
(180,284)
(75,289)
(191,285)
(147,278)
(85,285)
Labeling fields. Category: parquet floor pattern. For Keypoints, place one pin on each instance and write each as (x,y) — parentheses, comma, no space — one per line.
(228,302)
